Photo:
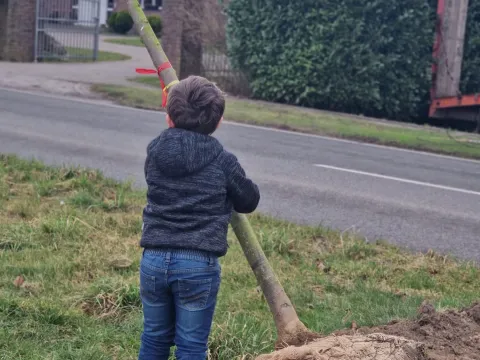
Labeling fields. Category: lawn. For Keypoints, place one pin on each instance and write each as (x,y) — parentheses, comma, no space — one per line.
(130,41)
(310,121)
(86,55)
(69,260)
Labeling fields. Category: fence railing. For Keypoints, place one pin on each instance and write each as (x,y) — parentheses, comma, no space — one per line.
(67,30)
(217,68)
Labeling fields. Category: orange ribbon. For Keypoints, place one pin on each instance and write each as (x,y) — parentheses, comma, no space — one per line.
(162,67)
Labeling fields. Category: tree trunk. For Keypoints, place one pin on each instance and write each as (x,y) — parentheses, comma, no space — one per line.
(151,41)
(290,330)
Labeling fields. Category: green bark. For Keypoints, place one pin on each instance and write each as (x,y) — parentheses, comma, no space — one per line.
(288,325)
(150,40)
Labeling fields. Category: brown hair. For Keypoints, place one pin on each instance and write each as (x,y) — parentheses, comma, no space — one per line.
(196,104)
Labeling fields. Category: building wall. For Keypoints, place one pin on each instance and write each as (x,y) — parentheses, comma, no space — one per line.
(3,25)
(20,31)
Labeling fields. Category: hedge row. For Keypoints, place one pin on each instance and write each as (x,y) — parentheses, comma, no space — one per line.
(121,23)
(370,57)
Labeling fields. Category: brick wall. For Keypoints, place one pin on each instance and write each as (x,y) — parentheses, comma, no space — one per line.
(120,5)
(3,25)
(20,30)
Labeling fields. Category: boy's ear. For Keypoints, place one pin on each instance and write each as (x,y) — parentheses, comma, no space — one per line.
(170,123)
(221,119)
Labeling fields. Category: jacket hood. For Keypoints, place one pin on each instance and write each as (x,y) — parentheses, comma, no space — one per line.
(179,152)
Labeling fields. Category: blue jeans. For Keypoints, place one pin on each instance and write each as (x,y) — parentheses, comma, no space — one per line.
(179,291)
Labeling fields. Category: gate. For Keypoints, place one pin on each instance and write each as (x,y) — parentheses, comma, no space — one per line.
(67,30)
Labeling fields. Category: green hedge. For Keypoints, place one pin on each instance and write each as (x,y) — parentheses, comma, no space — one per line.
(156,24)
(370,57)
(470,82)
(120,22)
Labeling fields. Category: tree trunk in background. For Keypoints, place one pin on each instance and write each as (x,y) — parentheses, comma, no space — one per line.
(191,59)
(172,11)
(182,35)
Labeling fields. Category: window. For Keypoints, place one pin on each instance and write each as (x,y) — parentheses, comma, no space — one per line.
(151,4)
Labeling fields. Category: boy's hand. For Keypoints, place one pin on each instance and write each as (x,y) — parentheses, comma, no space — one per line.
(242,191)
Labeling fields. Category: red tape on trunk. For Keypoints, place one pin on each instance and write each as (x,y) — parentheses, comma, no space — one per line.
(162,67)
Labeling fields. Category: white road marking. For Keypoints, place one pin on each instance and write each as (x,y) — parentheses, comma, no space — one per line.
(109,103)
(407,181)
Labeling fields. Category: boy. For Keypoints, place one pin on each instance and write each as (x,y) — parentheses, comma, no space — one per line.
(193,186)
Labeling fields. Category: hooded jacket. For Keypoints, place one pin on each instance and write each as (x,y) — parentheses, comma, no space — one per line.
(193,187)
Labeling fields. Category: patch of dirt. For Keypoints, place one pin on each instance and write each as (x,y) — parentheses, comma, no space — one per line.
(104,305)
(450,335)
(353,347)
(51,86)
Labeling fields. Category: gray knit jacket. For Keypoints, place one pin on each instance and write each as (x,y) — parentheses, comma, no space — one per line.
(193,186)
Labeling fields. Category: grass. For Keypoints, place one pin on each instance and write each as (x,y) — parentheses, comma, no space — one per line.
(130,41)
(80,55)
(308,120)
(65,231)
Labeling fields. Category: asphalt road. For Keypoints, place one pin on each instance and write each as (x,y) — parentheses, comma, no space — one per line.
(416,200)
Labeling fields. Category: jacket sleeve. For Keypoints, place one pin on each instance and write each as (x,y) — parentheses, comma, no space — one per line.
(241,191)
(150,148)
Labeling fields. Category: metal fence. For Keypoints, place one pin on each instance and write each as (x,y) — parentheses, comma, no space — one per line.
(67,29)
(217,68)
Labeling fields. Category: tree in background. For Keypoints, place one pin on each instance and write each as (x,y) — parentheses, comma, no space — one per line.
(182,35)
(190,28)
(172,11)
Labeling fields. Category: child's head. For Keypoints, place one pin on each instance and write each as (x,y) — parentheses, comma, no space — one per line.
(195,104)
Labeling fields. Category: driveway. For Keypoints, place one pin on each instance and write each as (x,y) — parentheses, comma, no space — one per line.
(74,78)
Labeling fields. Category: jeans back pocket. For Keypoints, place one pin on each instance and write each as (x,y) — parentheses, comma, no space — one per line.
(194,294)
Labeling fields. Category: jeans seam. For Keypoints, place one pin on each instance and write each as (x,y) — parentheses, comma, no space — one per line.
(189,271)
(153,284)
(154,268)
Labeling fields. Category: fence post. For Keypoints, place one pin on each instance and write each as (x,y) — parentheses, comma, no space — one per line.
(97,31)
(37,23)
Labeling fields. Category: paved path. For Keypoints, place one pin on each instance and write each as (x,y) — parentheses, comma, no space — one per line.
(74,78)
(416,200)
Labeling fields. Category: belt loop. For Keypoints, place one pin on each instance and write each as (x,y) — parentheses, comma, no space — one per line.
(211,260)
(167,257)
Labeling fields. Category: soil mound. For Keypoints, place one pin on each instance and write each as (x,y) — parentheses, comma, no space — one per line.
(352,347)
(450,335)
